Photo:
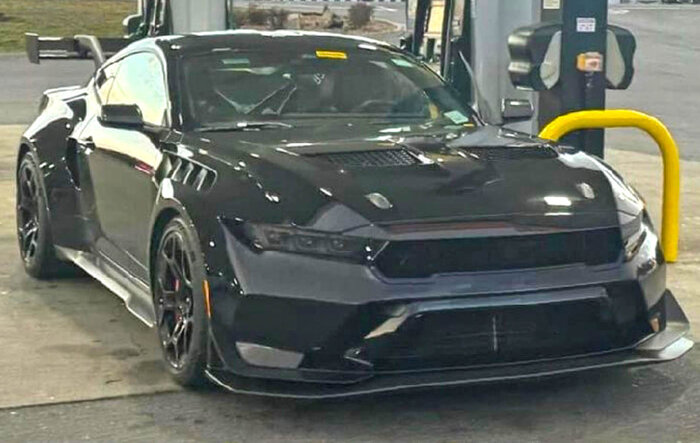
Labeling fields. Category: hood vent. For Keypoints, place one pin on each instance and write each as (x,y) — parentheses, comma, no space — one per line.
(512,153)
(371,159)
(191,174)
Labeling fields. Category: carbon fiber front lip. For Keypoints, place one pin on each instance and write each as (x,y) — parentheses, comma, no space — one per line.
(411,381)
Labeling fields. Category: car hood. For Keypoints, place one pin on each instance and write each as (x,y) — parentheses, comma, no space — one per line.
(406,175)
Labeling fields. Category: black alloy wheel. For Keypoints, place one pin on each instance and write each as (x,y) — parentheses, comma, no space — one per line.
(33,228)
(179,304)
(28,211)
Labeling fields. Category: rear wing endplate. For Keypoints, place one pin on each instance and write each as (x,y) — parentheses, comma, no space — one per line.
(80,47)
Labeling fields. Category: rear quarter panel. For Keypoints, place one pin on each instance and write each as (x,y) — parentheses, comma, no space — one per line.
(48,137)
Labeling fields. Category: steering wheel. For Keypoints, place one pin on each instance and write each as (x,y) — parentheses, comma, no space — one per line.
(374,105)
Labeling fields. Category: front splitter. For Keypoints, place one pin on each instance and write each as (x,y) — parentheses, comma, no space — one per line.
(445,378)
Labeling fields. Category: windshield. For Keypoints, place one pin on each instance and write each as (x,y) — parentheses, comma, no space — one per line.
(229,87)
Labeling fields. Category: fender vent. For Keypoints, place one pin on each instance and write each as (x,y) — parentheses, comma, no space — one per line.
(371,159)
(191,174)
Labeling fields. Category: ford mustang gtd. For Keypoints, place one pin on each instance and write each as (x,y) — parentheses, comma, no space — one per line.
(314,215)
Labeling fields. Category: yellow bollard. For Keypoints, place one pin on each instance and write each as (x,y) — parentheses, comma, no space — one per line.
(670,224)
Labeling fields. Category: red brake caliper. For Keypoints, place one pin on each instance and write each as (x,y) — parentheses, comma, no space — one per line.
(177,289)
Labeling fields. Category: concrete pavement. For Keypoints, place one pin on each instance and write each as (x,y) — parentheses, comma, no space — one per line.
(64,340)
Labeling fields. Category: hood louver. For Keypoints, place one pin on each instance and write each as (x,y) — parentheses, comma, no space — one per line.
(370,159)
(191,174)
(512,153)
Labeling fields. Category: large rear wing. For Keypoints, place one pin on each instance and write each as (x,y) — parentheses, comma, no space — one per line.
(80,47)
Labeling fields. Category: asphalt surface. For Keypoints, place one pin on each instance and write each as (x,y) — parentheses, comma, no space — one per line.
(72,344)
(651,404)
(667,80)
(21,84)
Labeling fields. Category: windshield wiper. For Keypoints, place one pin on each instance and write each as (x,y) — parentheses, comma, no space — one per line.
(289,86)
(245,126)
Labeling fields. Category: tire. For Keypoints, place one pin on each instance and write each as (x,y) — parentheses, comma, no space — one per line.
(178,293)
(33,227)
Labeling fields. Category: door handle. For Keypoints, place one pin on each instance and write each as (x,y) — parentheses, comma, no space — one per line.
(86,143)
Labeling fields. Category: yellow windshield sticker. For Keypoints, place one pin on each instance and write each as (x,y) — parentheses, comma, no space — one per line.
(334,55)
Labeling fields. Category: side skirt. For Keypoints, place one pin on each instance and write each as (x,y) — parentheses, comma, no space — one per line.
(136,295)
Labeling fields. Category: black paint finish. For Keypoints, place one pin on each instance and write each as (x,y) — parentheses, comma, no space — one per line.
(549,223)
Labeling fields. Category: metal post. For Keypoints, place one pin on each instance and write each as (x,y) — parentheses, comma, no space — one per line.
(446,38)
(420,21)
(584,30)
(623,118)
(461,46)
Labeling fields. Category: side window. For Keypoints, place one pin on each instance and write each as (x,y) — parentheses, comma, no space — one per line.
(104,80)
(140,82)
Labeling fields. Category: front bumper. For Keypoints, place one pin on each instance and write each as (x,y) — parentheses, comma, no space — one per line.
(326,329)
(667,345)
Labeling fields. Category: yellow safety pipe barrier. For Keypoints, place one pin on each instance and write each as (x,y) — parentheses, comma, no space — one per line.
(575,121)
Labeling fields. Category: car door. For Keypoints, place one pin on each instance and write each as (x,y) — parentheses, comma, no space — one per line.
(122,162)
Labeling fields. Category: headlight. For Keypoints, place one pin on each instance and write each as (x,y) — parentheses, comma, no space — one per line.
(633,235)
(264,237)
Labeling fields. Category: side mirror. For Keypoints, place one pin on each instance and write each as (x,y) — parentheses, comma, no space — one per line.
(132,23)
(514,110)
(535,56)
(619,69)
(406,43)
(121,116)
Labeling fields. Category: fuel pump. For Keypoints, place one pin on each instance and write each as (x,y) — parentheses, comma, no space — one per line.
(466,42)
(571,60)
(563,63)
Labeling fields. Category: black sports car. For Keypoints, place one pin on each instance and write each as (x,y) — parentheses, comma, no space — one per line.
(311,215)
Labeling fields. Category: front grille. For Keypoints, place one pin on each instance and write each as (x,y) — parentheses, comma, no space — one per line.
(424,258)
(506,335)
(370,159)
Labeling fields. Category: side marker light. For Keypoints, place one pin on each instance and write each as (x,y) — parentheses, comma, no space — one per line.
(655,324)
(207,301)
